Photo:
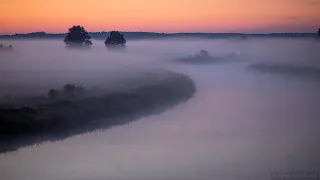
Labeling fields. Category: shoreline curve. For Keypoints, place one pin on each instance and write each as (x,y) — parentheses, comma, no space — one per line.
(64,119)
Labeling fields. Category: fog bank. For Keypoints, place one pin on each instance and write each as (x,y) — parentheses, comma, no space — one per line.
(240,124)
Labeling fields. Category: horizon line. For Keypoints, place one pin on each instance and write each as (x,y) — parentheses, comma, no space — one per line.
(165,33)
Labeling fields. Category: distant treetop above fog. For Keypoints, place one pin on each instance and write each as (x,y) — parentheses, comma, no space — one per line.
(78,37)
(115,40)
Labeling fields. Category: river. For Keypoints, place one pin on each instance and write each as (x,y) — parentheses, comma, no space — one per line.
(240,124)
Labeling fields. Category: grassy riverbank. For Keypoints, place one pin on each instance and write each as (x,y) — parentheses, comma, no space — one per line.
(57,119)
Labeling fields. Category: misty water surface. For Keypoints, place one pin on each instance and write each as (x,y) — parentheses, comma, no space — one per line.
(241,123)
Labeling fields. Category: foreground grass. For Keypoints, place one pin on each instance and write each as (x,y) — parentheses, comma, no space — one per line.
(56,120)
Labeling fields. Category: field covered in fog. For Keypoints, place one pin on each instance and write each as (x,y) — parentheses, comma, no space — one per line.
(255,109)
(63,97)
(37,65)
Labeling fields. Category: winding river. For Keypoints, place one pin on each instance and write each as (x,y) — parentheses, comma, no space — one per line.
(240,124)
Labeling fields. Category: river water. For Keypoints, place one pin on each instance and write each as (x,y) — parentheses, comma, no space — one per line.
(240,124)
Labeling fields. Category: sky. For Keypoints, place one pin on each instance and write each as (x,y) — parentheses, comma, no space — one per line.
(169,16)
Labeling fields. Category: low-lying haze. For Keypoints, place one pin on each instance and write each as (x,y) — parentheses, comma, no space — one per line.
(240,124)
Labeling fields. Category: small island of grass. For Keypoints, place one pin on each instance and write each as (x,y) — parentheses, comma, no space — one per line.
(203,57)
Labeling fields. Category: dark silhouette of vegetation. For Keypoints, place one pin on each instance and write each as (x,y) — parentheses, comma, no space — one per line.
(3,48)
(69,91)
(319,33)
(61,116)
(115,40)
(77,37)
(306,72)
(53,94)
(203,57)
(152,35)
(203,54)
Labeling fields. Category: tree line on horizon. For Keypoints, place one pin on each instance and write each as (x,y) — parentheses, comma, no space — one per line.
(78,37)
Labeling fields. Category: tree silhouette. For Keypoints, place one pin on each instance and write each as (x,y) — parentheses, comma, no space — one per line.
(78,37)
(115,40)
(319,33)
(204,53)
(69,89)
(52,93)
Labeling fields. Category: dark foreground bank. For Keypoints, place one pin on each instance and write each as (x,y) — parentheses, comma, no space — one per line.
(56,120)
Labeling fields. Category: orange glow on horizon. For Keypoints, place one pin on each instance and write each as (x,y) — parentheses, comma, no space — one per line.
(21,16)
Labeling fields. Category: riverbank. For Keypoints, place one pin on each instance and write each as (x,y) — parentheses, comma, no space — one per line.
(29,125)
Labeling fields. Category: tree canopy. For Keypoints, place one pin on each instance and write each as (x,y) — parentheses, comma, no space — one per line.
(78,37)
(319,33)
(115,39)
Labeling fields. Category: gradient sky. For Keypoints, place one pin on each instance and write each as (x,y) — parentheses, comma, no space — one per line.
(257,16)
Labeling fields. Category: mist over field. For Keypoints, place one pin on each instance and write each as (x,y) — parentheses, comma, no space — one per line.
(250,117)
(42,59)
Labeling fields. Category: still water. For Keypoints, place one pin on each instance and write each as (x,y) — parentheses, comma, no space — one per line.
(240,124)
